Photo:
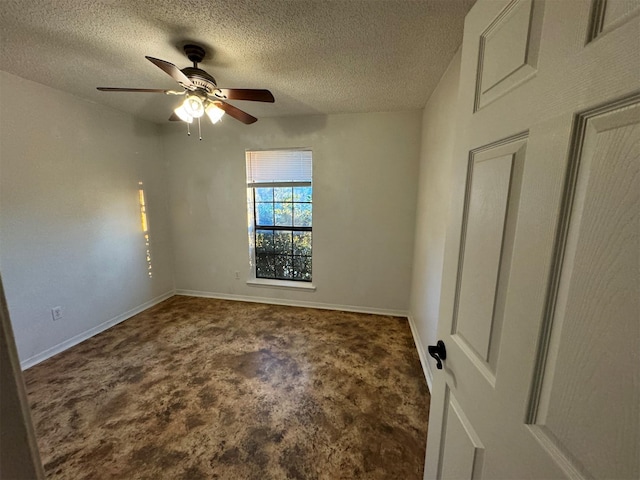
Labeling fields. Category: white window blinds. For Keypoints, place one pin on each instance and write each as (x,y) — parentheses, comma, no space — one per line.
(278,166)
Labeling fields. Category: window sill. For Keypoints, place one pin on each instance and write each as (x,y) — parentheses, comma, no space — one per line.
(261,282)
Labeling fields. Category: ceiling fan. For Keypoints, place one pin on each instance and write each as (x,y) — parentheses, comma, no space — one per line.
(202,93)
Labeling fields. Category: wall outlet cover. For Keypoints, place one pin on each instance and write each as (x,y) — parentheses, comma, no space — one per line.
(56,313)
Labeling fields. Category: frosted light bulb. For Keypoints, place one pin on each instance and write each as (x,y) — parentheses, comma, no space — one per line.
(214,112)
(182,113)
(193,106)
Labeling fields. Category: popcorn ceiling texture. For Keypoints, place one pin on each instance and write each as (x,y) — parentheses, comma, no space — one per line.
(316,56)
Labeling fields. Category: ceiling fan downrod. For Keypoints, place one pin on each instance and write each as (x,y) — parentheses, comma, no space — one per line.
(195,53)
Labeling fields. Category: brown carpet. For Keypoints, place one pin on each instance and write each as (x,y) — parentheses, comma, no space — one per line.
(198,388)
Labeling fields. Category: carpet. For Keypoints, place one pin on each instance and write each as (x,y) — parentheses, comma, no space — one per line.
(198,388)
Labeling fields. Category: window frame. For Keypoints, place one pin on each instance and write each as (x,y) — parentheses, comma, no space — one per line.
(254,227)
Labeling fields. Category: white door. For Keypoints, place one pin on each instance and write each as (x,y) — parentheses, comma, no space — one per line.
(541,286)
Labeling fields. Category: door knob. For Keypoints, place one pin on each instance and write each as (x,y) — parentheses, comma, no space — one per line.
(438,352)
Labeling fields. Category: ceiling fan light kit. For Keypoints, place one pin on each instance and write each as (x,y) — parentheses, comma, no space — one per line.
(202,92)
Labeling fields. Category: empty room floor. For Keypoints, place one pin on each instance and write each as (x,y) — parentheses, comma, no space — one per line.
(200,388)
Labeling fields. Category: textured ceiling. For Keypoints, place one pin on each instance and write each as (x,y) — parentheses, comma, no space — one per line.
(315,56)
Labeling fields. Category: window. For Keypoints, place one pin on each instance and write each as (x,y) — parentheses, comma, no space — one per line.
(279,194)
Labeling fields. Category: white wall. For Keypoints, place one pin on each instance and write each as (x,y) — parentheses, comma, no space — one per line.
(365,169)
(436,160)
(70,230)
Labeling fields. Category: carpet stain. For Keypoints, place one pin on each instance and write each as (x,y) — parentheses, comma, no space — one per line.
(197,388)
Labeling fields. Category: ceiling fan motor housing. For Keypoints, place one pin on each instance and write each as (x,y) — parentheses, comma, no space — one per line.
(198,77)
(201,79)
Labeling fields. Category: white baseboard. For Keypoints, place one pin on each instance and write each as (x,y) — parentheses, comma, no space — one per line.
(50,352)
(422,353)
(293,303)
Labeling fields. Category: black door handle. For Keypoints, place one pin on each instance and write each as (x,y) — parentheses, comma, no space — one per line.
(438,352)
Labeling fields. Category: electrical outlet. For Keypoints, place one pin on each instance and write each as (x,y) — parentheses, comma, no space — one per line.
(237,275)
(56,313)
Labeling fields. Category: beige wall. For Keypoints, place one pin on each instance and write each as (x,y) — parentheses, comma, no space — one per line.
(436,159)
(365,169)
(69,219)
(70,232)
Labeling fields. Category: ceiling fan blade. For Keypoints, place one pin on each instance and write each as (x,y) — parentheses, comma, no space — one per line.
(172,70)
(255,95)
(175,118)
(236,113)
(146,90)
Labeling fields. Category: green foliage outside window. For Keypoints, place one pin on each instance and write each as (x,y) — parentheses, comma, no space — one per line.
(283,253)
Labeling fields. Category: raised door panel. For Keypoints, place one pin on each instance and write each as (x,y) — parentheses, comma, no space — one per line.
(587,411)
(491,206)
(463,451)
(508,52)
(607,15)
(488,198)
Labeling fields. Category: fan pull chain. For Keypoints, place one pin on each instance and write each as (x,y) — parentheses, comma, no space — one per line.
(188,131)
(199,131)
